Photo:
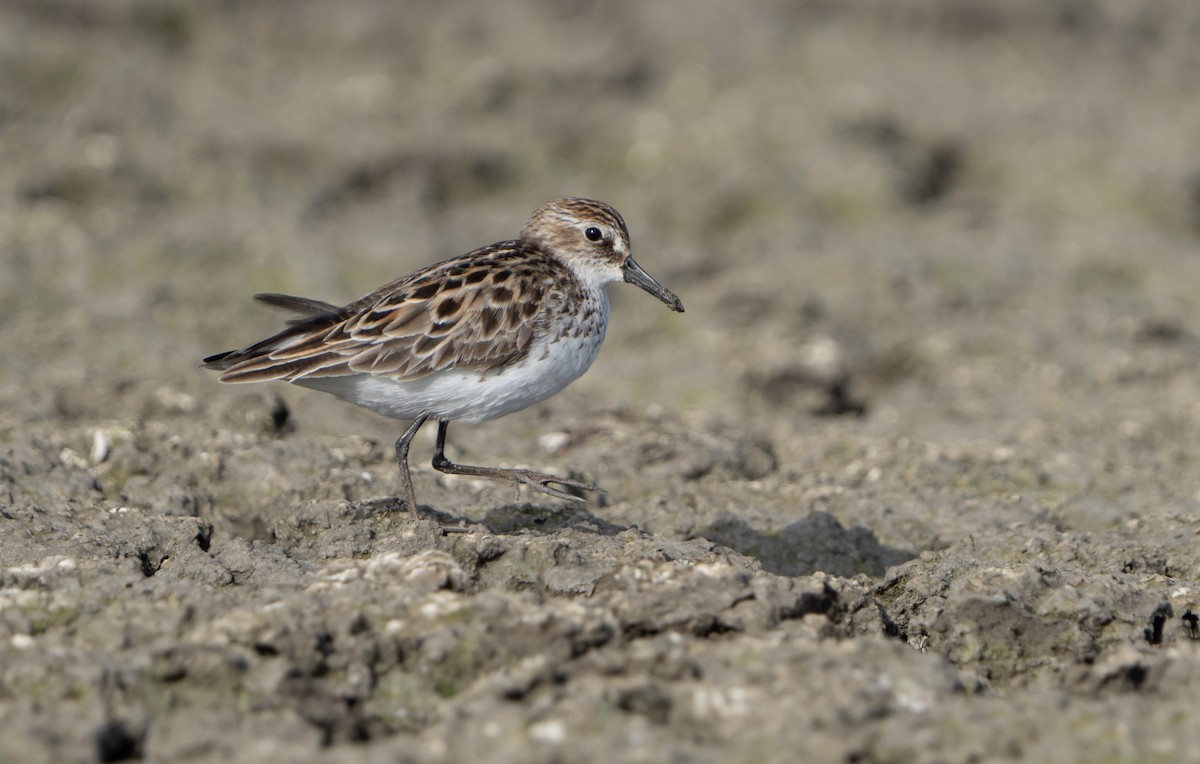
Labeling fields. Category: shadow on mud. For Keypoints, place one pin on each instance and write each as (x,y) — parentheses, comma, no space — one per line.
(818,542)
(513,518)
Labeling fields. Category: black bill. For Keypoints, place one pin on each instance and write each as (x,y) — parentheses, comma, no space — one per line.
(635,275)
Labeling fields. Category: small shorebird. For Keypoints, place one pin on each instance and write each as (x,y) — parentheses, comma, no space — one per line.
(469,339)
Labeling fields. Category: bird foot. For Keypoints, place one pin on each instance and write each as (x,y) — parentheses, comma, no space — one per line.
(540,482)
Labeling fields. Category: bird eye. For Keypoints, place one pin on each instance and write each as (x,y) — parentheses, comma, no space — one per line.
(593,233)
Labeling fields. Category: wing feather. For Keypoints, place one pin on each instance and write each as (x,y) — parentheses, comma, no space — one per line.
(479,311)
(306,307)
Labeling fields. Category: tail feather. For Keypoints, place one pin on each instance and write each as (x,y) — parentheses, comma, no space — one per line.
(250,364)
(219,361)
(262,369)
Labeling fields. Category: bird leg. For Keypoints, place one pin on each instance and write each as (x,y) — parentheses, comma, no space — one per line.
(538,481)
(402,444)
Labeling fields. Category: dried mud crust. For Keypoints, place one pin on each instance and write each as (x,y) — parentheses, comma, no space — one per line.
(310,621)
(914,479)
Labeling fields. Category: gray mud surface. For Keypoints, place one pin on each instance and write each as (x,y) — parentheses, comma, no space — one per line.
(916,478)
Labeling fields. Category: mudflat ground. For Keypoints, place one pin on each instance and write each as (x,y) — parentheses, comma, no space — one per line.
(915,478)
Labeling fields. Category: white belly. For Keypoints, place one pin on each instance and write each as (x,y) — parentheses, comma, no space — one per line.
(473,396)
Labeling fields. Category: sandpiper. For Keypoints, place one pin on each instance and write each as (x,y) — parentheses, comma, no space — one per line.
(469,339)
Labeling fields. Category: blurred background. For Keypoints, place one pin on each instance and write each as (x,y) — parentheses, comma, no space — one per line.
(948,220)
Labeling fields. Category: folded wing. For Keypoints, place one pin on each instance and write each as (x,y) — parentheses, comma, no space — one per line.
(479,312)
